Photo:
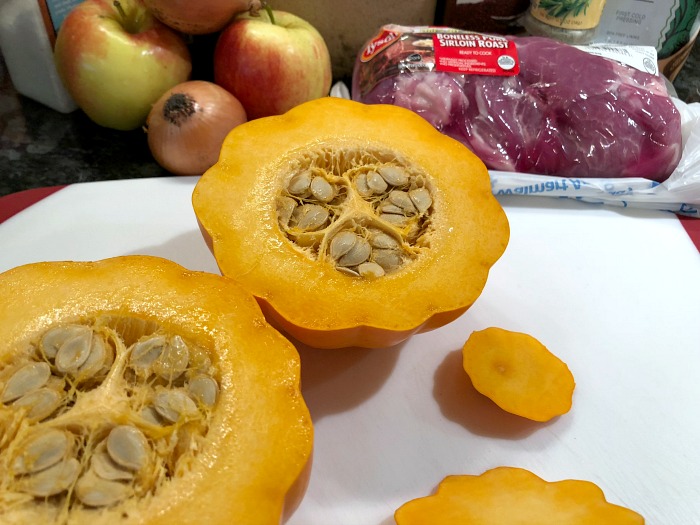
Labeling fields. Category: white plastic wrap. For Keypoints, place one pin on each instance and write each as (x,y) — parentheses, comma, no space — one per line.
(680,193)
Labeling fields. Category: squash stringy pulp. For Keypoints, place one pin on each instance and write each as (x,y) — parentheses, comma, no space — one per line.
(367,212)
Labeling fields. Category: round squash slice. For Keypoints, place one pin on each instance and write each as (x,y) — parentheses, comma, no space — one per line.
(352,224)
(135,391)
(518,373)
(514,496)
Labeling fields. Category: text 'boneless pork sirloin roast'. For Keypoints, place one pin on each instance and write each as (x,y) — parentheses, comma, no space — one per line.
(526,104)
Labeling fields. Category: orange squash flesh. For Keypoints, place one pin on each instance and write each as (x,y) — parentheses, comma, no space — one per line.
(514,496)
(235,204)
(260,435)
(518,373)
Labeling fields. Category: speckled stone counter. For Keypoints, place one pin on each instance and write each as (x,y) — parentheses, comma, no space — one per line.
(41,147)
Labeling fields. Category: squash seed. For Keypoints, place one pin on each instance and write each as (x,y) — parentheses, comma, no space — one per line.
(382,240)
(173,360)
(150,415)
(403,201)
(387,259)
(73,353)
(358,254)
(322,189)
(100,357)
(299,184)
(388,207)
(342,243)
(395,219)
(128,447)
(94,491)
(51,481)
(310,217)
(204,390)
(105,467)
(370,270)
(40,403)
(56,337)
(376,183)
(42,451)
(28,378)
(347,271)
(144,354)
(175,405)
(394,175)
(285,208)
(362,186)
(421,199)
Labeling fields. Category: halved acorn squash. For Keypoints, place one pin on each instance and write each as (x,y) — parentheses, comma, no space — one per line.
(135,391)
(352,224)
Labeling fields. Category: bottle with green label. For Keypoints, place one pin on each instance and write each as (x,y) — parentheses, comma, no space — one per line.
(570,21)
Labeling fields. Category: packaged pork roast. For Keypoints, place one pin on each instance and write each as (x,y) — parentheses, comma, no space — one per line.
(545,117)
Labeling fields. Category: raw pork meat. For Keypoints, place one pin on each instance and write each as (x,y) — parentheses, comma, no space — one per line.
(567,112)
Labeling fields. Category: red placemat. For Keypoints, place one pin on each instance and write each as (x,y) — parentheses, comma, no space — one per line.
(14,203)
(692,226)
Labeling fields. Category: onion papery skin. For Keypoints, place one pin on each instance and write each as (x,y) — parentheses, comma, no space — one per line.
(198,17)
(188,124)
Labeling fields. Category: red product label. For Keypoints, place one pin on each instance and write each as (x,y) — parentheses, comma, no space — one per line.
(380,42)
(396,50)
(475,53)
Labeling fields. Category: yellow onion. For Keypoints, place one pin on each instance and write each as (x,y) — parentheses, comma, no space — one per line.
(199,17)
(187,126)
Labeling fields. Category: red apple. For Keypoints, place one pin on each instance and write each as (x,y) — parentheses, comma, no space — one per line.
(199,17)
(272,65)
(116,59)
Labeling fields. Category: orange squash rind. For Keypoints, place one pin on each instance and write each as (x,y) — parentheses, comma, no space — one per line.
(518,373)
(514,496)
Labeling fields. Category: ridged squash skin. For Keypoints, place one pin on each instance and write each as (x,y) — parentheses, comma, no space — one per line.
(514,496)
(260,433)
(235,204)
(518,373)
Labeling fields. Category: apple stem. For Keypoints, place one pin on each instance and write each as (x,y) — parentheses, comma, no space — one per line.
(268,9)
(130,22)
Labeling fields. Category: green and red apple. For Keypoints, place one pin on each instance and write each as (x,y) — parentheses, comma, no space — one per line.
(116,59)
(272,64)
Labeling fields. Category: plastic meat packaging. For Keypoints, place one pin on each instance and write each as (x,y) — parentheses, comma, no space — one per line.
(594,123)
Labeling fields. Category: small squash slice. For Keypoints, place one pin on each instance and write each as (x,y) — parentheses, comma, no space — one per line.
(135,391)
(514,496)
(353,224)
(518,373)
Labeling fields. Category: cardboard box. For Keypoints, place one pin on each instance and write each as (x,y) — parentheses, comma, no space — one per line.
(346,26)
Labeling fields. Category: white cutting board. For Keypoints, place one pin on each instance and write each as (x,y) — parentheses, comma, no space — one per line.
(615,293)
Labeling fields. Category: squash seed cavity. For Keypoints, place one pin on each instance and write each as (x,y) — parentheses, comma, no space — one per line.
(98,412)
(367,213)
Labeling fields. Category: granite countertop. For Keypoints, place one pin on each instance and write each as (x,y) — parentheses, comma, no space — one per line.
(42,147)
